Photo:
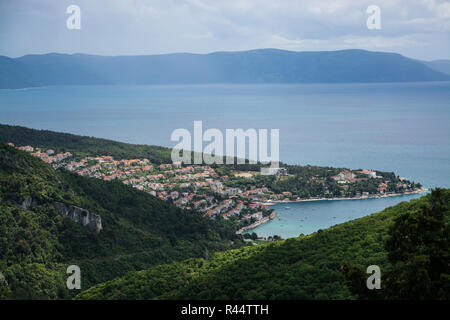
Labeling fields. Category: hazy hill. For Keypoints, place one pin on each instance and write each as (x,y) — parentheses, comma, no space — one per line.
(439,65)
(255,66)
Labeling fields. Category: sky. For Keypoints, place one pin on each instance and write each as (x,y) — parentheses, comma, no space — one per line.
(418,29)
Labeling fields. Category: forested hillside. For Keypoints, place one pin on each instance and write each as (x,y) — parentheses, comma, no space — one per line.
(179,254)
(37,243)
(308,267)
(82,145)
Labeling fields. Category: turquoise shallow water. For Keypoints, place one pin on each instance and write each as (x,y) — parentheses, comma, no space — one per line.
(308,217)
(400,127)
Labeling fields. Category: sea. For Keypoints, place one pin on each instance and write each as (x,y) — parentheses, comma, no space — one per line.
(399,127)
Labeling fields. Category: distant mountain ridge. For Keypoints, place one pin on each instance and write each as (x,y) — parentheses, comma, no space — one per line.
(442,66)
(254,66)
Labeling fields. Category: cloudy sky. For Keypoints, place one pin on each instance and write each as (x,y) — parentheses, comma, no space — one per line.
(415,28)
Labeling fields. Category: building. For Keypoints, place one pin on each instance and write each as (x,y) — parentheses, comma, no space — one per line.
(370,173)
(177,164)
(344,176)
(382,187)
(26,148)
(274,171)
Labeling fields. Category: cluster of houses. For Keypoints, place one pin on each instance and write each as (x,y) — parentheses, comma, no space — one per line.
(197,187)
(191,187)
(48,156)
(346,177)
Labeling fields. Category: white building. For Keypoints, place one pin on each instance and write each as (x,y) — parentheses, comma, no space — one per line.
(274,171)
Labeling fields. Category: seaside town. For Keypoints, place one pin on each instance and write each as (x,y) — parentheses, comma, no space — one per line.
(201,188)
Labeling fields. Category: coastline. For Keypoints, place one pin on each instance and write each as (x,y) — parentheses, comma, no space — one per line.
(377,196)
(257,223)
(274,214)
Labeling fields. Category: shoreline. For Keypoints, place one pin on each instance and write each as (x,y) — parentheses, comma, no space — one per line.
(377,196)
(274,214)
(257,223)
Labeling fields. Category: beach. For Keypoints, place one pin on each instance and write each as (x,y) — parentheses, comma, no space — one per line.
(418,191)
(306,217)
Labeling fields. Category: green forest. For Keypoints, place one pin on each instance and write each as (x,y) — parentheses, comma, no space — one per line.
(150,249)
(139,230)
(329,264)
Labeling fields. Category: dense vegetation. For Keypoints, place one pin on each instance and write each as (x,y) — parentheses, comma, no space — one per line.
(143,233)
(313,181)
(418,248)
(307,267)
(37,243)
(81,145)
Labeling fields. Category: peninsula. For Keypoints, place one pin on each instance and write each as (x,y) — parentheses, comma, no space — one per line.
(238,193)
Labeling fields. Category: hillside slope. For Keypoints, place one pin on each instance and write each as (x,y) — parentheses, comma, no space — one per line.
(37,242)
(66,142)
(299,268)
(254,66)
(442,66)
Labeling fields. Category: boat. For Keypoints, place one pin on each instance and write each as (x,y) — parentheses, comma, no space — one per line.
(287,208)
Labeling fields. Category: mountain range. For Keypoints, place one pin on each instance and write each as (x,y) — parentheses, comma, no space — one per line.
(439,65)
(242,67)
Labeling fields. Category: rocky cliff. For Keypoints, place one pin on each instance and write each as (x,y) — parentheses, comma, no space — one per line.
(81,216)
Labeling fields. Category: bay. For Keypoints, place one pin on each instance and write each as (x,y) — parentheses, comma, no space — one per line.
(297,218)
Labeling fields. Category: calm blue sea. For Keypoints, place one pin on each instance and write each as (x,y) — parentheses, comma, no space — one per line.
(308,217)
(400,127)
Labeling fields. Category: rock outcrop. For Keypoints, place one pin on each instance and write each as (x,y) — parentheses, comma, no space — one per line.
(3,281)
(81,216)
(28,203)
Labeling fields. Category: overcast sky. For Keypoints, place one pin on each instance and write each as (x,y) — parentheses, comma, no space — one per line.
(415,28)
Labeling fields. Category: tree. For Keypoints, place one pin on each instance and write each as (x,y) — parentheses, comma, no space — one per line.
(418,248)
(418,251)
